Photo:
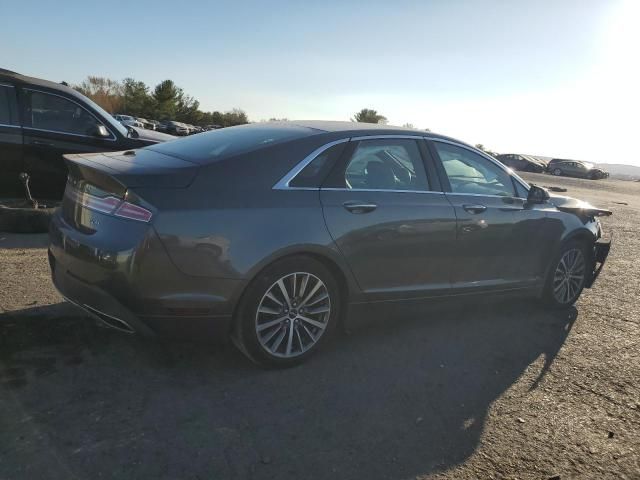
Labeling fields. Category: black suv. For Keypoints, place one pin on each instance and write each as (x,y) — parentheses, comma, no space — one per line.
(42,120)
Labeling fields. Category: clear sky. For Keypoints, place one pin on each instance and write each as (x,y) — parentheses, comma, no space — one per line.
(555,78)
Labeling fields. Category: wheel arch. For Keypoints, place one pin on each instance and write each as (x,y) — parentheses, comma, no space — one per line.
(581,235)
(331,259)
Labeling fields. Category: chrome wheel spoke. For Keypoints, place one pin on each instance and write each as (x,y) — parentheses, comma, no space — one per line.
(278,341)
(312,292)
(264,326)
(313,322)
(272,334)
(303,286)
(269,310)
(285,294)
(317,310)
(273,298)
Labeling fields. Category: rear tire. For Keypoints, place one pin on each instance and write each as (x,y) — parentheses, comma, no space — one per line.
(288,312)
(557,172)
(568,275)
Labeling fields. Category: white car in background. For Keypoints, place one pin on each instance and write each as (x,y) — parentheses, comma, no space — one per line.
(128,120)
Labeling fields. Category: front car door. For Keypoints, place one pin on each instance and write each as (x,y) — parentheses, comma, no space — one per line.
(10,142)
(388,217)
(53,125)
(499,239)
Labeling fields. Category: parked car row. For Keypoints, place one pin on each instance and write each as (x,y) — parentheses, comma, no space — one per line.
(522,163)
(556,166)
(166,126)
(41,120)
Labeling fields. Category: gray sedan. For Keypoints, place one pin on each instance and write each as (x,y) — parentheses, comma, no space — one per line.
(271,232)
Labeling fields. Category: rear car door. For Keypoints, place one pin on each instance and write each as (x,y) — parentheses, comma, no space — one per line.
(389,218)
(496,236)
(54,125)
(10,142)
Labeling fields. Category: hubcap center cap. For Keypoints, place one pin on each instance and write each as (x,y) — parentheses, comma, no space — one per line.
(293,313)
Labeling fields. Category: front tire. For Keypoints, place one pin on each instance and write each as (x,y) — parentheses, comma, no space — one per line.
(557,172)
(567,276)
(288,312)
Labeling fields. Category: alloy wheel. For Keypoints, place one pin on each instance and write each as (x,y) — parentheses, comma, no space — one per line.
(569,276)
(293,314)
(557,172)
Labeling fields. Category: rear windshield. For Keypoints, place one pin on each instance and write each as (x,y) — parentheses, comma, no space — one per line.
(211,146)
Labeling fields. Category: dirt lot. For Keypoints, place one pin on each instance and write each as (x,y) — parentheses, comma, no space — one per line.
(502,389)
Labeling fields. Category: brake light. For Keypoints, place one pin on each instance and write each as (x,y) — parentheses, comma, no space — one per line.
(133,212)
(109,205)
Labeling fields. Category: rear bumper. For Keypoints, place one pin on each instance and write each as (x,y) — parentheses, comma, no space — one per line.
(601,252)
(109,312)
(135,287)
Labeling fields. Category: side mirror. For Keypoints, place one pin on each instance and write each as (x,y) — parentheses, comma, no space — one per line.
(537,195)
(101,132)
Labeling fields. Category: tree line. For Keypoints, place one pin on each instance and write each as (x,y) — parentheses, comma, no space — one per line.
(166,101)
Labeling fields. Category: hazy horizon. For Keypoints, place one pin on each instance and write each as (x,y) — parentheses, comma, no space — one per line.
(556,79)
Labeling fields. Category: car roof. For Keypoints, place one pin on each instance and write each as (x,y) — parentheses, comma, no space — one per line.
(354,129)
(19,79)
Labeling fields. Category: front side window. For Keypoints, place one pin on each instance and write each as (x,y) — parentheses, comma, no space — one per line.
(387,164)
(57,114)
(471,173)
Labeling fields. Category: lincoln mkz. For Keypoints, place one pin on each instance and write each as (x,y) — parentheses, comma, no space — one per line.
(269,233)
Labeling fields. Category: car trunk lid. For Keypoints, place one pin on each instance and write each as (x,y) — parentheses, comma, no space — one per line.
(105,184)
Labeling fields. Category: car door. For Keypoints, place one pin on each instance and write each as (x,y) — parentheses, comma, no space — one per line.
(10,142)
(497,237)
(54,125)
(389,218)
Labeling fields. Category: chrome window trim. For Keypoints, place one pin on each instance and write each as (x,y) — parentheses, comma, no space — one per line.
(385,137)
(67,133)
(283,183)
(482,154)
(340,189)
(458,194)
(114,136)
(7,85)
(13,126)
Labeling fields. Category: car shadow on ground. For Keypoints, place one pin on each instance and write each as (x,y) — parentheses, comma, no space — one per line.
(405,396)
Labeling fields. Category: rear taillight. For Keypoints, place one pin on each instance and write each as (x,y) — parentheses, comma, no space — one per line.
(109,205)
(133,212)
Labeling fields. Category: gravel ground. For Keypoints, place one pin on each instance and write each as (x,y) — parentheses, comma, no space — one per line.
(492,389)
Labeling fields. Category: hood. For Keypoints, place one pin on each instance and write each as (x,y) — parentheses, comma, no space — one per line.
(579,207)
(152,136)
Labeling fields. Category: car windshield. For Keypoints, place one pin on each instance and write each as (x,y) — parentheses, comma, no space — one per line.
(107,116)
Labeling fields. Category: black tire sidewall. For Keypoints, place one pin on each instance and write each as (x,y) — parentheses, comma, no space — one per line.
(245,317)
(547,295)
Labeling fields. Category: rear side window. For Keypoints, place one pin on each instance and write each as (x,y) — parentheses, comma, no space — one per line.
(387,164)
(57,114)
(212,146)
(315,172)
(7,106)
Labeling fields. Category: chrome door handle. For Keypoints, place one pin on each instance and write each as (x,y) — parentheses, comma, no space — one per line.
(475,208)
(359,207)
(41,143)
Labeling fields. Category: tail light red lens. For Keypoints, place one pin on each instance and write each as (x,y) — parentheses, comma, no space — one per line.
(109,205)
(133,212)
